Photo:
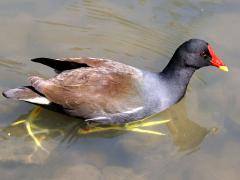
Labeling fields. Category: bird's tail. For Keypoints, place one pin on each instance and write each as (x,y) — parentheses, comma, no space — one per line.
(28,94)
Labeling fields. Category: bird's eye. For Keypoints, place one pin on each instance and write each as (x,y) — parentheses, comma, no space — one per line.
(204,54)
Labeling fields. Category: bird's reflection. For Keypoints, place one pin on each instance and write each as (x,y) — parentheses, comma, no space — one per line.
(42,125)
(186,134)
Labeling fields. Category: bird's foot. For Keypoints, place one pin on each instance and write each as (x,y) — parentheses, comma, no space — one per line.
(138,125)
(27,122)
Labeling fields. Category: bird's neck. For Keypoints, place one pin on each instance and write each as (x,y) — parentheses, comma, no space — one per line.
(177,74)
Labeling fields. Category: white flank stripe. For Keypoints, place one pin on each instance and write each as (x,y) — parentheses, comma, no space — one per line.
(97,118)
(133,110)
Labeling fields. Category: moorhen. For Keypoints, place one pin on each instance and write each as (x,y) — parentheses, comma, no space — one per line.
(109,92)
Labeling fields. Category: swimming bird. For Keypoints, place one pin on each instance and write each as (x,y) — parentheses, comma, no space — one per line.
(109,92)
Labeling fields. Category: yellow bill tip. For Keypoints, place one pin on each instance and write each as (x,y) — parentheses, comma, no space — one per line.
(224,68)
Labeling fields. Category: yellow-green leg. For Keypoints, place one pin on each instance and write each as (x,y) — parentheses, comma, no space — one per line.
(28,123)
(135,126)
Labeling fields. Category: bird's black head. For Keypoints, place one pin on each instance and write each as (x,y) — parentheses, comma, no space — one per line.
(197,53)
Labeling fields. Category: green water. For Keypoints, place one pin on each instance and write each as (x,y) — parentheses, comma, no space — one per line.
(202,138)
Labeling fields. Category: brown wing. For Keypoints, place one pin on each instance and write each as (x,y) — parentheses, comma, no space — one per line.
(93,62)
(103,87)
(64,64)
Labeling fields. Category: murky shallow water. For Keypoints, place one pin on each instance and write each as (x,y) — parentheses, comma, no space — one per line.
(202,140)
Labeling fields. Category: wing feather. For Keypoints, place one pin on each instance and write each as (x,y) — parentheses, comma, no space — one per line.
(88,92)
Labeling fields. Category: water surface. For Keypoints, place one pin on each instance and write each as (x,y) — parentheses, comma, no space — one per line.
(202,138)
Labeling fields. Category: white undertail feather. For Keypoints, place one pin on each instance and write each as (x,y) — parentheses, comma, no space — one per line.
(38,100)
